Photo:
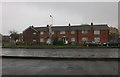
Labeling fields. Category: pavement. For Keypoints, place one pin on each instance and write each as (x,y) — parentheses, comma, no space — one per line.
(62,53)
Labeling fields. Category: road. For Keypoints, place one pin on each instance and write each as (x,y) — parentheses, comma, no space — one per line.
(15,66)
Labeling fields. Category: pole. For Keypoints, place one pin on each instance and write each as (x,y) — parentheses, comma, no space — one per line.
(50,30)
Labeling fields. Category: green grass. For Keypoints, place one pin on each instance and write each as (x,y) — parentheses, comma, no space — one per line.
(8,45)
(48,46)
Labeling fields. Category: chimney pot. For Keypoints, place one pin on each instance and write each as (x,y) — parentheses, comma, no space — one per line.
(91,23)
(69,24)
(32,26)
(47,25)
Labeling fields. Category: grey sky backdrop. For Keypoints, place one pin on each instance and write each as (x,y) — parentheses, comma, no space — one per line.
(20,15)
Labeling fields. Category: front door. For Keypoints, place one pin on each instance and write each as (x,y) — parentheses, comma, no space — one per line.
(65,41)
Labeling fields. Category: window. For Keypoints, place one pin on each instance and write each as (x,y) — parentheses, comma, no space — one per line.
(62,32)
(41,39)
(34,39)
(72,32)
(34,33)
(52,32)
(84,39)
(72,39)
(97,39)
(84,31)
(96,32)
(41,32)
(59,38)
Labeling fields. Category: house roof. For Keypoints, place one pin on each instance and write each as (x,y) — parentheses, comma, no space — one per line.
(41,28)
(74,27)
(31,28)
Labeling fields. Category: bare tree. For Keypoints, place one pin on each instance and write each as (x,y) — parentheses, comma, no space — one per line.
(14,35)
(13,32)
(113,33)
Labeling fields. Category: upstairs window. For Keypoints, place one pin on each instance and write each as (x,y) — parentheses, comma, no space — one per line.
(96,32)
(41,32)
(84,31)
(34,33)
(62,32)
(72,32)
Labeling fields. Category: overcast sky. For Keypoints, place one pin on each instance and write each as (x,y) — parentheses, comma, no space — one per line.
(20,15)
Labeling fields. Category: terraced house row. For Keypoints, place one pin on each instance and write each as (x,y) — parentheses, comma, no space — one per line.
(70,33)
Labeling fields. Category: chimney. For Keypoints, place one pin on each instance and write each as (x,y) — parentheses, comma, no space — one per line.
(91,23)
(47,28)
(69,24)
(32,26)
(47,25)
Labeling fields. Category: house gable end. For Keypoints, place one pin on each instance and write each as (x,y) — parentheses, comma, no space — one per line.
(30,27)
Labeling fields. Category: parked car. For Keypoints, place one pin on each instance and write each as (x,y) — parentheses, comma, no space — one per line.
(112,43)
(91,43)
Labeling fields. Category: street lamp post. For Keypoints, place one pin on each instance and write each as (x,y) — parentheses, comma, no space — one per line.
(50,30)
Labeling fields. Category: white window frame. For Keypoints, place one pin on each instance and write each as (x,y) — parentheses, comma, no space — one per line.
(42,32)
(72,32)
(59,38)
(62,32)
(84,39)
(84,31)
(41,39)
(96,32)
(73,39)
(34,40)
(53,32)
(34,33)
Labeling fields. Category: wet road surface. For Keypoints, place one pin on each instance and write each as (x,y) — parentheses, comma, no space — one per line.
(15,66)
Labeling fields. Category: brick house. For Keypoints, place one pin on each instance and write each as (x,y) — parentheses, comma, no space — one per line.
(72,33)
(0,37)
(5,38)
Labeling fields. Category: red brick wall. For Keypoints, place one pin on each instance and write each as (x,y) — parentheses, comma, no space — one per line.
(90,35)
(28,36)
(67,34)
(45,36)
(104,35)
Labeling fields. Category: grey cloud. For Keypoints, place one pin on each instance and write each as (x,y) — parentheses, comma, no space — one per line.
(20,15)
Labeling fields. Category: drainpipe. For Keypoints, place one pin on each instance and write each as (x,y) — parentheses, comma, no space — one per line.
(77,38)
(69,31)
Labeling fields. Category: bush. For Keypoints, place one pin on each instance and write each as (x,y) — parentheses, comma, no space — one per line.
(57,42)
